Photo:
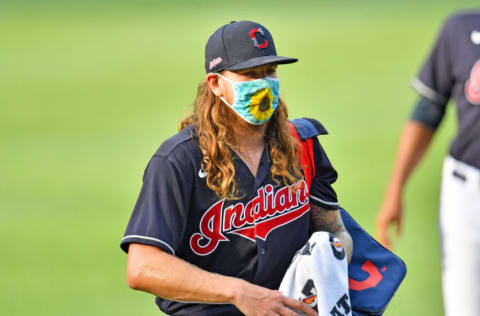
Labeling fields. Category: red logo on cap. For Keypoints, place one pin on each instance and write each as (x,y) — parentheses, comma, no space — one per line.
(254,39)
(472,86)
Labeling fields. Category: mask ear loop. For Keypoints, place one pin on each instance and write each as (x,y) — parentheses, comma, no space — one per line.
(231,82)
(225,78)
(226,102)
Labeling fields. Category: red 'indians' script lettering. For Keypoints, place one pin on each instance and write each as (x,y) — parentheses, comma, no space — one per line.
(261,215)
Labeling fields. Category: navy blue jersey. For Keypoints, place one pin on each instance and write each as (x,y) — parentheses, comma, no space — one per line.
(253,238)
(452,71)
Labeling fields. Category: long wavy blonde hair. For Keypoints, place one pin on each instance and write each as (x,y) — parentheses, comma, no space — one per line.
(214,131)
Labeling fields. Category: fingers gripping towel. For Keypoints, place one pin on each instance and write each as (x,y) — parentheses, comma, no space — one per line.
(318,276)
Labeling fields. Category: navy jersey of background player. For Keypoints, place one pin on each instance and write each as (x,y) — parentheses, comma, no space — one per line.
(253,238)
(453,71)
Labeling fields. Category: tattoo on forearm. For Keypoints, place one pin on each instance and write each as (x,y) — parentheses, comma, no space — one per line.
(331,221)
(322,220)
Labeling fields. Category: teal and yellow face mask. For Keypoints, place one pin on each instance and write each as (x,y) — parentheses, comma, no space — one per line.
(255,100)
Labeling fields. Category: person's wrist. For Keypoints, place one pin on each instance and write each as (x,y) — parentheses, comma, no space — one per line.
(395,190)
(235,290)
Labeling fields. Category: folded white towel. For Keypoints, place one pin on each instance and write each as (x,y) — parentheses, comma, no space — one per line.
(318,276)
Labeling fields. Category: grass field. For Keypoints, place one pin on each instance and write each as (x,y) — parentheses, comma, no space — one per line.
(89,90)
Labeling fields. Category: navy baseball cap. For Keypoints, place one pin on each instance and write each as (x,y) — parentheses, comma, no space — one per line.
(241,45)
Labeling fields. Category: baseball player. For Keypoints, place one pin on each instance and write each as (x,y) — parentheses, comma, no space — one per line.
(451,71)
(224,206)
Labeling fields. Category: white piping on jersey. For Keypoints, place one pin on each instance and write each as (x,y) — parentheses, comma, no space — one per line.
(150,238)
(322,201)
(428,92)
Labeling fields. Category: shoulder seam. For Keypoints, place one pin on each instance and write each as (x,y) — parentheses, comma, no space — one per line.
(167,151)
(166,155)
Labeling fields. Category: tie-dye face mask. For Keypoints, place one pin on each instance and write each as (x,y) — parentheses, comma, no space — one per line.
(255,100)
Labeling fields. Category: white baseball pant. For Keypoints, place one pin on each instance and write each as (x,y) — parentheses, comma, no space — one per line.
(460,235)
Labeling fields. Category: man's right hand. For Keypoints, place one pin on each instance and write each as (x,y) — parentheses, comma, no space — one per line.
(413,144)
(253,300)
(391,212)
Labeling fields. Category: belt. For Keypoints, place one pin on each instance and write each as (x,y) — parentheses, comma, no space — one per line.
(463,172)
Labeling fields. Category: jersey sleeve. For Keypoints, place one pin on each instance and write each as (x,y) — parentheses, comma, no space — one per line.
(321,191)
(159,216)
(435,79)
(428,113)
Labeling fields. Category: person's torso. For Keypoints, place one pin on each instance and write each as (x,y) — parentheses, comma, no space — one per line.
(253,238)
(464,36)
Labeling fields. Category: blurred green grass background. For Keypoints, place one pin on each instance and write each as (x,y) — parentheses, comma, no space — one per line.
(90,89)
